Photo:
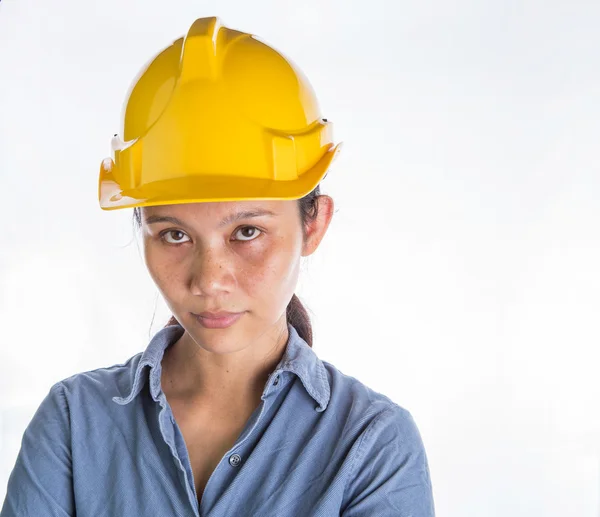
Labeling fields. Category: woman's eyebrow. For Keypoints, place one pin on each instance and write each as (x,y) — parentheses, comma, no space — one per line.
(244,214)
(162,219)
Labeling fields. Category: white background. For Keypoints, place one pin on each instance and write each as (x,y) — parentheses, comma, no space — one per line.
(460,275)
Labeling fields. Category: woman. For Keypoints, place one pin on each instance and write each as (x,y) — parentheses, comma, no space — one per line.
(228,411)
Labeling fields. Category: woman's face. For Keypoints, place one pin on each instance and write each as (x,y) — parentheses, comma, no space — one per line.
(217,256)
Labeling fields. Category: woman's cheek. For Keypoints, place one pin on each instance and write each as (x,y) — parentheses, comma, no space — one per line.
(164,266)
(256,270)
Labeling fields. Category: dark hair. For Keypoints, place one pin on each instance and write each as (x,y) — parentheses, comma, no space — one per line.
(296,313)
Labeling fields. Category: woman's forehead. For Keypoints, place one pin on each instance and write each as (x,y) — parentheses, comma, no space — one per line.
(220,209)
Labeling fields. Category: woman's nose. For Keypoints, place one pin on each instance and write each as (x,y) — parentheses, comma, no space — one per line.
(211,273)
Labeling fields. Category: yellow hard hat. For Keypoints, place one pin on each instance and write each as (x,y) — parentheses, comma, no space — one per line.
(218,115)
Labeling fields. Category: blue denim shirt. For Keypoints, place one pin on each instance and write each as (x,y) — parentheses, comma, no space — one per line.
(104,443)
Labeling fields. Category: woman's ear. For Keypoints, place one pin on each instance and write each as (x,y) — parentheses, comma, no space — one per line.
(315,229)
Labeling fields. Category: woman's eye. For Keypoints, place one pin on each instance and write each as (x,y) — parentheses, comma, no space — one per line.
(246,233)
(245,230)
(177,240)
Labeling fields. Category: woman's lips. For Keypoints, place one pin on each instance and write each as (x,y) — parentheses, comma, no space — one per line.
(214,315)
(218,323)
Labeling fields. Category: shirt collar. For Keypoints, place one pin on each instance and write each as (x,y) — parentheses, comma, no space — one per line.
(298,358)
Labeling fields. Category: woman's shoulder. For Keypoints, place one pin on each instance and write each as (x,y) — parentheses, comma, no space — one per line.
(387,444)
(105,381)
(352,395)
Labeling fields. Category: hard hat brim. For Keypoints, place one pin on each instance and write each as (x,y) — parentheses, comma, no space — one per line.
(206,188)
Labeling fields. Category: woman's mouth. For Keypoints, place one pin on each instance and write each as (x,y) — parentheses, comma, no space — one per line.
(218,322)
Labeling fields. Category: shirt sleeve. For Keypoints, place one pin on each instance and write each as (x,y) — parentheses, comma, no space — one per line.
(390,474)
(41,482)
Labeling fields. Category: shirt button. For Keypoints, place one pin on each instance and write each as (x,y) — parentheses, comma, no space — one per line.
(235,460)
(276,381)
